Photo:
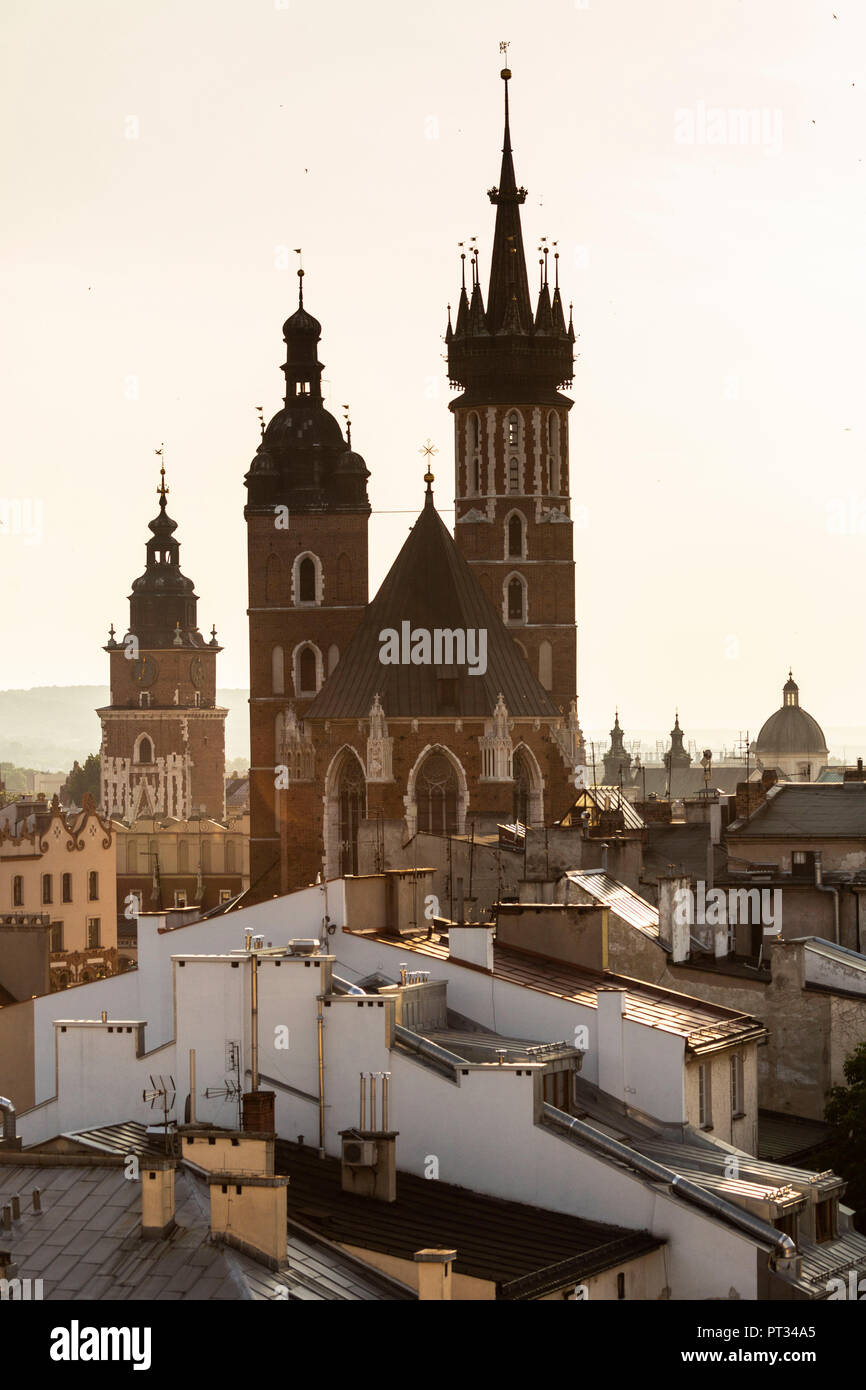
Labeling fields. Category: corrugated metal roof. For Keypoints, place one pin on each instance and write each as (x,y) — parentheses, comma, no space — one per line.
(603,800)
(628,905)
(430,585)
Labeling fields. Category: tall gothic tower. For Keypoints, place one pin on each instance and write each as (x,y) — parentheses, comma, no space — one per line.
(163,735)
(513,521)
(307,514)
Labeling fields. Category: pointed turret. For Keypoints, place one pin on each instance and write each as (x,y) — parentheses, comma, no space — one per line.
(163,601)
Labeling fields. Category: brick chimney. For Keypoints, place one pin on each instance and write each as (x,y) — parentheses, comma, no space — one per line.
(157,1197)
(672,932)
(434,1273)
(750,795)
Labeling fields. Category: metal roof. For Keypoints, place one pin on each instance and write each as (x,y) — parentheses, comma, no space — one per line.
(603,800)
(430,585)
(823,810)
(628,905)
(790,1137)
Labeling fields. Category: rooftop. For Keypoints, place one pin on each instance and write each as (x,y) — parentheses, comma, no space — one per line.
(824,810)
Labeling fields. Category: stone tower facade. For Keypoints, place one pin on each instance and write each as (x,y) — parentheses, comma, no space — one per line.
(307,513)
(512,490)
(163,734)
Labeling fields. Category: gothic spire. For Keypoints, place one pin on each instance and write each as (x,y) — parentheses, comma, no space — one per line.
(508,277)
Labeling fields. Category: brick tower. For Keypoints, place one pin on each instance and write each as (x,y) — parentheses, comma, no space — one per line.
(307,515)
(512,500)
(163,735)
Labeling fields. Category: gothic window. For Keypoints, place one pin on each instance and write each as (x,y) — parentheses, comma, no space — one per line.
(278,678)
(307,580)
(513,475)
(145,751)
(515,536)
(344,579)
(351,795)
(437,793)
(272,579)
(545,665)
(513,429)
(307,675)
(516,600)
(521,788)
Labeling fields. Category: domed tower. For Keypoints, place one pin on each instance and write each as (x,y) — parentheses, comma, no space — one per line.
(513,511)
(163,735)
(617,759)
(307,515)
(791,740)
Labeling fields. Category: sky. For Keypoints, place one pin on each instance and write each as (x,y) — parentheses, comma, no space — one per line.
(701,164)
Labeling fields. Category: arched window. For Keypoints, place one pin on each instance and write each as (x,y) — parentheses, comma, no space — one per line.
(516,600)
(436,794)
(513,429)
(351,792)
(145,751)
(343,592)
(272,579)
(545,665)
(307,581)
(307,676)
(278,672)
(513,475)
(515,536)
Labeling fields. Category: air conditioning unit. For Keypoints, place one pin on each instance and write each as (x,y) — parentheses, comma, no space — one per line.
(359,1153)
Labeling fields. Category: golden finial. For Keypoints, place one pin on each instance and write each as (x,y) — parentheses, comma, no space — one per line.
(162,490)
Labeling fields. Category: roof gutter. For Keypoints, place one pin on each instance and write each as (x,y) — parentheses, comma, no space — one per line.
(782,1245)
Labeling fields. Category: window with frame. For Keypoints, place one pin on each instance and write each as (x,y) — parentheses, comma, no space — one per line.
(307,580)
(513,429)
(513,475)
(47,889)
(307,671)
(55,937)
(66,888)
(93,926)
(92,886)
(180,897)
(18,891)
(515,537)
(516,605)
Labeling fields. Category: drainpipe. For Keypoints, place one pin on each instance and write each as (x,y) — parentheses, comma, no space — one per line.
(8,1109)
(254,1011)
(827,888)
(320,1026)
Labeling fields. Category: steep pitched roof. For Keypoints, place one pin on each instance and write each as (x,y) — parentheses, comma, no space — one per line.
(430,586)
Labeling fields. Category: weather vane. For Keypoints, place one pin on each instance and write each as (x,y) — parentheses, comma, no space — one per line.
(428,450)
(503,48)
(162,490)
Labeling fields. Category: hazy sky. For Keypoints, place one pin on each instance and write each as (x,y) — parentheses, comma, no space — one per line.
(160,161)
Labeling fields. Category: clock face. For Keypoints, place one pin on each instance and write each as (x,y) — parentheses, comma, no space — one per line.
(145,670)
(196,670)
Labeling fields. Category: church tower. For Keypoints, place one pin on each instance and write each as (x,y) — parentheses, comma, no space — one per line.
(513,522)
(163,734)
(307,515)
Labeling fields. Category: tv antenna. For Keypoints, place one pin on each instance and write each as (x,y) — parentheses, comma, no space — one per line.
(162,1089)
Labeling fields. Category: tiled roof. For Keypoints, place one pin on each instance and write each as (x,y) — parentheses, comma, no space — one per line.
(431,586)
(822,810)
(703,1025)
(497,1240)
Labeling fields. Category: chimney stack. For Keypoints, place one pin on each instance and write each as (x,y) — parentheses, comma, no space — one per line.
(157,1197)
(434,1273)
(674,933)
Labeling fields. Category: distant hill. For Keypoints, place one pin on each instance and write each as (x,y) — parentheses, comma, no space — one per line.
(50,726)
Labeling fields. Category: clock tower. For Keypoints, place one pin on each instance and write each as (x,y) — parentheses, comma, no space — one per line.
(163,734)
